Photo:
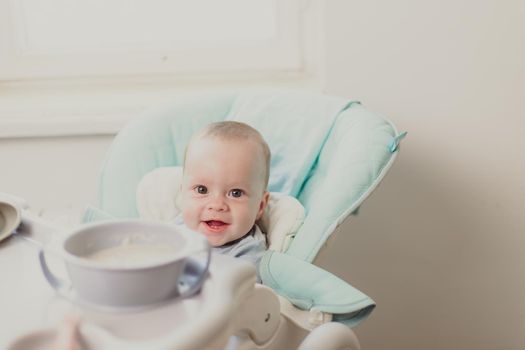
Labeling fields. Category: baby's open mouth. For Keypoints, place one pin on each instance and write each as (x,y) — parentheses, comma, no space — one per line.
(216,225)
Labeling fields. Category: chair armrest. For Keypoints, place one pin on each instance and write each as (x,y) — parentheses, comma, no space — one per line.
(310,287)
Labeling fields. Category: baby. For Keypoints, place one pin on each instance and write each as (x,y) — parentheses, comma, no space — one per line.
(225,175)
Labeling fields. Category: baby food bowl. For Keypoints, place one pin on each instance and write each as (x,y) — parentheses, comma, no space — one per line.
(107,268)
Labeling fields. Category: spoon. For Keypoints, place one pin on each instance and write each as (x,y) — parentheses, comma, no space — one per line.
(16,220)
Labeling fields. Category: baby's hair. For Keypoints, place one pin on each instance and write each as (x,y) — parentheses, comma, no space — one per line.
(232,130)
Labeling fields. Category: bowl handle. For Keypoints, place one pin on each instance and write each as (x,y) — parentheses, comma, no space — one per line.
(60,285)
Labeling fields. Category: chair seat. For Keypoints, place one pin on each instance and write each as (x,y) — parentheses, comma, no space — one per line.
(336,153)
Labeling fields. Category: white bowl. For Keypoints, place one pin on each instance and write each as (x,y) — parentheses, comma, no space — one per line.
(127,283)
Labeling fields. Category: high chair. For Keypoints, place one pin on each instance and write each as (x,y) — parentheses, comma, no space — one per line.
(328,155)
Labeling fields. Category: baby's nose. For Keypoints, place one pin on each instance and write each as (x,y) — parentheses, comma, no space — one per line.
(217,203)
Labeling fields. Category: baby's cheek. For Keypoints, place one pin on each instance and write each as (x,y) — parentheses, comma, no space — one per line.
(190,220)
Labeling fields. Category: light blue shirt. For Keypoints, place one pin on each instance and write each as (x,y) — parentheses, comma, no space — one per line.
(250,247)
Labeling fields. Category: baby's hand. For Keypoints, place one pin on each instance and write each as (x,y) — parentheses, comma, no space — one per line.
(68,337)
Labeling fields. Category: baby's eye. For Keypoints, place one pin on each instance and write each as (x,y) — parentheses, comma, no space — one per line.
(201,189)
(236,193)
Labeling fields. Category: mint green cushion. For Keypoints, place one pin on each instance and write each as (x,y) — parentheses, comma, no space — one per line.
(352,162)
(307,286)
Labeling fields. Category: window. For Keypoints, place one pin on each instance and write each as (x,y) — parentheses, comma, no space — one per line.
(68,38)
(88,66)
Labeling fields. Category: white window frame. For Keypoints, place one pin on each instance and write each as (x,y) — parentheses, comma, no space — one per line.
(45,93)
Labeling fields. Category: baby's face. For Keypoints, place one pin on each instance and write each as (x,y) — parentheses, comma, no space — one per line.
(223,191)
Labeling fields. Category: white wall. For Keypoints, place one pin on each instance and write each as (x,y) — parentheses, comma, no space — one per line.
(441,245)
(57,176)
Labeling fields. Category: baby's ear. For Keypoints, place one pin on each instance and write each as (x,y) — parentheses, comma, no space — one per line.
(263,204)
